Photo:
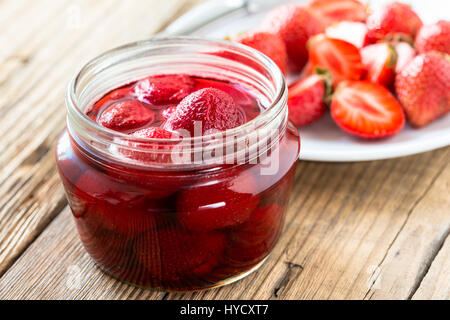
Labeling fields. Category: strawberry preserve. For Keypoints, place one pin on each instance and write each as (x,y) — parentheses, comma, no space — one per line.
(178,161)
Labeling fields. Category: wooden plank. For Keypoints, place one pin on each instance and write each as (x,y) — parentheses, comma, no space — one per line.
(372,230)
(20,25)
(436,284)
(415,249)
(343,221)
(32,112)
(70,275)
(346,218)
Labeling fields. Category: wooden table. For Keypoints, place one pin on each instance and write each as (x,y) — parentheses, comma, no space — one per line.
(372,230)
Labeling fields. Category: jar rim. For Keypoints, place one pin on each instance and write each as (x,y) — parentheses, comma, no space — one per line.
(72,100)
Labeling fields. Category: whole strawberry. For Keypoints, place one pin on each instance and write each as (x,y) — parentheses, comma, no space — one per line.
(99,199)
(151,151)
(306,100)
(209,206)
(126,115)
(164,89)
(435,36)
(423,88)
(393,20)
(211,108)
(118,94)
(268,43)
(295,24)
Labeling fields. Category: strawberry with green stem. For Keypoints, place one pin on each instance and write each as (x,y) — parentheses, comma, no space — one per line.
(307,98)
(379,61)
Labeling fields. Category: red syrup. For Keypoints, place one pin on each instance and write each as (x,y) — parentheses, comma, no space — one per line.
(248,105)
(175,230)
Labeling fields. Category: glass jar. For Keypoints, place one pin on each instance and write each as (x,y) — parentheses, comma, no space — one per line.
(179,216)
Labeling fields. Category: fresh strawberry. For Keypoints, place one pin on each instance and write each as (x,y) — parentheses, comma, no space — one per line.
(353,32)
(164,89)
(253,240)
(268,43)
(211,108)
(379,61)
(166,113)
(367,110)
(333,11)
(405,54)
(340,58)
(306,100)
(295,24)
(126,115)
(173,254)
(210,206)
(435,37)
(423,88)
(393,20)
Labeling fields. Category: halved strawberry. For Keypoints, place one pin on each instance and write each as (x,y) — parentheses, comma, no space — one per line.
(405,54)
(366,110)
(306,100)
(340,58)
(379,60)
(353,32)
(332,11)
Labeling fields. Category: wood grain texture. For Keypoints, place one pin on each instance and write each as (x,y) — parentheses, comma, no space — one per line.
(342,225)
(418,242)
(373,230)
(63,270)
(436,284)
(44,51)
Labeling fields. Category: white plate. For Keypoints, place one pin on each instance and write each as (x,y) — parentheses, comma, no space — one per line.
(324,141)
